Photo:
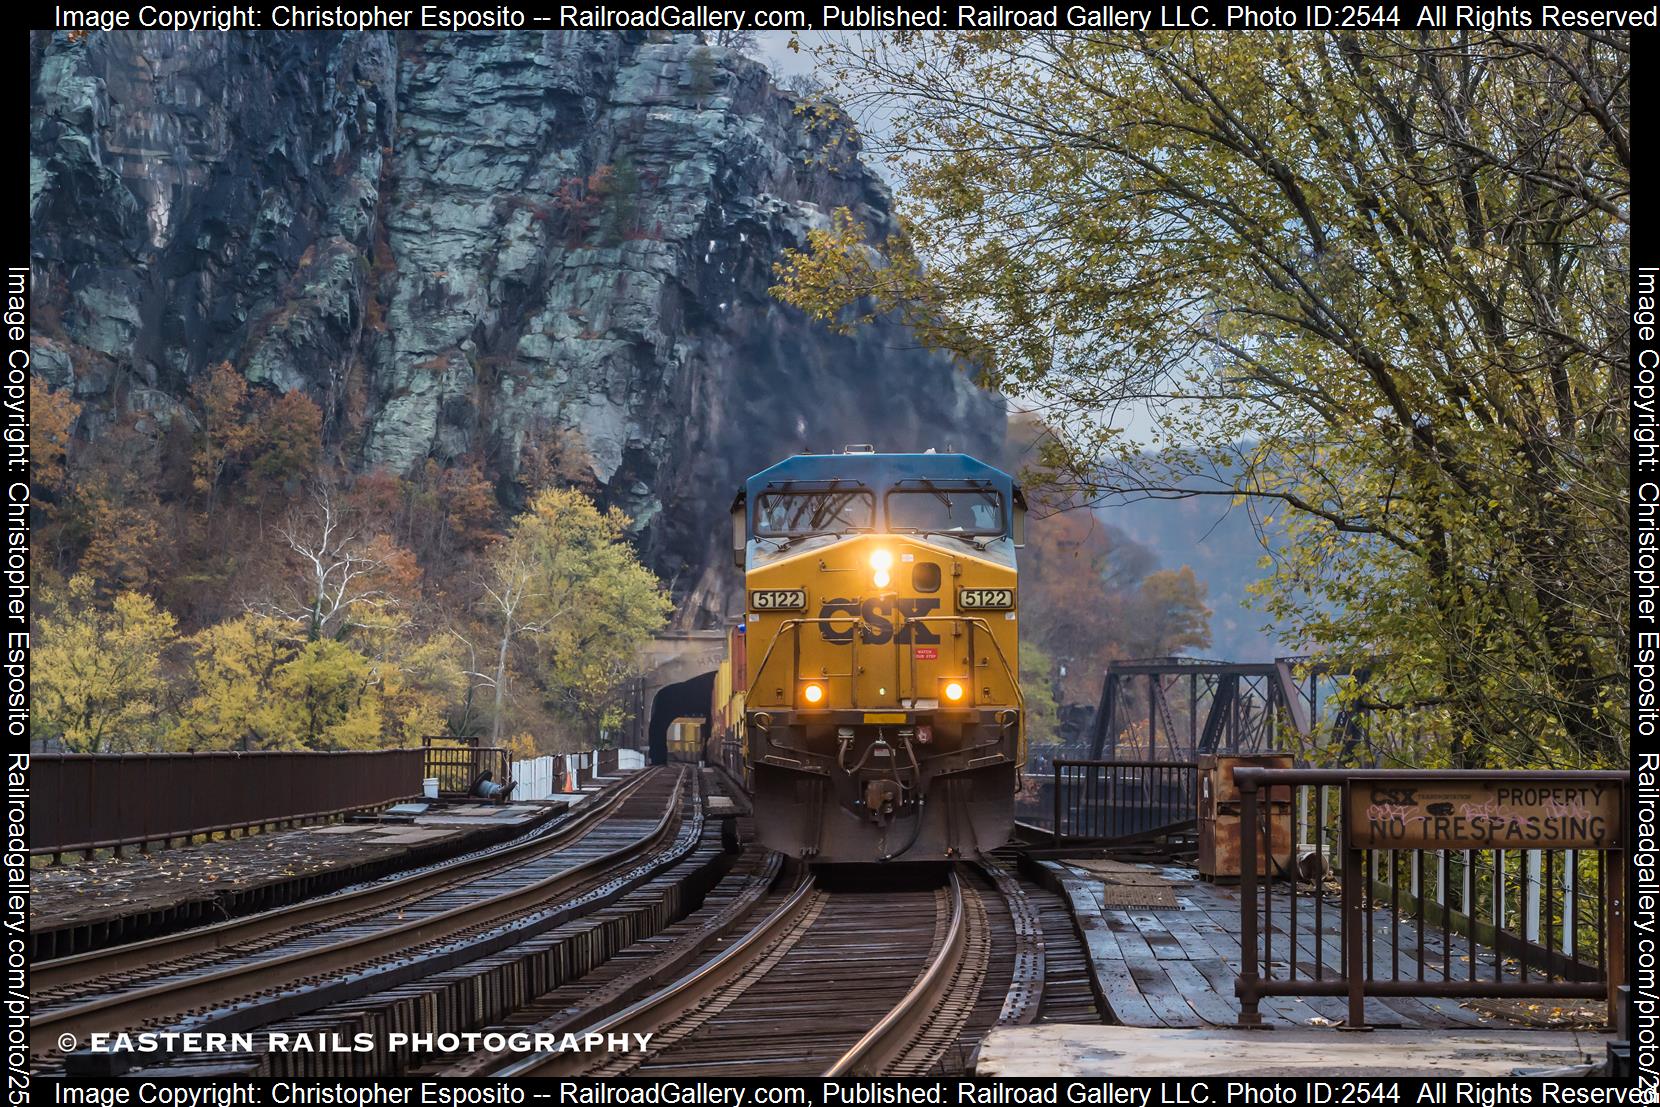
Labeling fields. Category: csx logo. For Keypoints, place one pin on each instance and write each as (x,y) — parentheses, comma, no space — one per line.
(1401,797)
(877,614)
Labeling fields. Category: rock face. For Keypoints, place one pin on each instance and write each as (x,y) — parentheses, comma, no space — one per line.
(505,246)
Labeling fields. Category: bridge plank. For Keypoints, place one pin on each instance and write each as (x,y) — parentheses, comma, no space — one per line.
(1170,966)
(1161,993)
(1216,1008)
(1164,945)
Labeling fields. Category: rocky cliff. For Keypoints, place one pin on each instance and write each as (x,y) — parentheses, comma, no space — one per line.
(500,246)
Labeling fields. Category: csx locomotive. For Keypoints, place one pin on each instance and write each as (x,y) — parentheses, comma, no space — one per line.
(871,700)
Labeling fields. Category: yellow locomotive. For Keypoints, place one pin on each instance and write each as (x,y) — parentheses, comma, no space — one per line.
(873,701)
(686,740)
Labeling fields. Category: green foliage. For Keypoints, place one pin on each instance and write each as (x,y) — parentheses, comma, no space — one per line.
(96,672)
(1037,683)
(1371,286)
(566,584)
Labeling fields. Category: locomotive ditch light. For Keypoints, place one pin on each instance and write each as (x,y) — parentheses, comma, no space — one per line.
(953,692)
(812,693)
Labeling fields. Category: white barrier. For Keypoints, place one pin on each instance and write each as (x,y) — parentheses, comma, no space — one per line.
(547,776)
(539,778)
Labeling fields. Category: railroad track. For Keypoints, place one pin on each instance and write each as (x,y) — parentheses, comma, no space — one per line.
(833,982)
(771,973)
(280,962)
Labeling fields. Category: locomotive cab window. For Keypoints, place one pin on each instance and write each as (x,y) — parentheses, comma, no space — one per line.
(933,507)
(832,511)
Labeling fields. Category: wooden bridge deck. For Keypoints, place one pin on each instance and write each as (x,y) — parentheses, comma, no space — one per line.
(1176,966)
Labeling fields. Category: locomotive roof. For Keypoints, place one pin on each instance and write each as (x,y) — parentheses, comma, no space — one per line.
(879,470)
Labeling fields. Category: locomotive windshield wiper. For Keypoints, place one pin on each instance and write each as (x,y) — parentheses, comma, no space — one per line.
(789,540)
(972,541)
(934,488)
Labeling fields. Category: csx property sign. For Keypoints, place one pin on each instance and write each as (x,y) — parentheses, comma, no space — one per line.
(1485,814)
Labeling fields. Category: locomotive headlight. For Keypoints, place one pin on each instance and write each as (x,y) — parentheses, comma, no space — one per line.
(880,562)
(813,694)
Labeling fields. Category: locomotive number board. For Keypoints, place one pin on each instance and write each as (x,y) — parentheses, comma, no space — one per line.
(985,599)
(778,599)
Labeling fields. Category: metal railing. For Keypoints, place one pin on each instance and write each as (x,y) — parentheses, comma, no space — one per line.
(1490,884)
(84,802)
(1104,801)
(455,767)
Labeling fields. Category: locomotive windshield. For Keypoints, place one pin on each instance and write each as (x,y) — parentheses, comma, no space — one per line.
(938,508)
(783,514)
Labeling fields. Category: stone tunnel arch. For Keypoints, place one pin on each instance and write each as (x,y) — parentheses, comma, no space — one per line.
(669,659)
(685,699)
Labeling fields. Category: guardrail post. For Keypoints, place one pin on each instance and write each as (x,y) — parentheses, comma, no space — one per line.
(1616,923)
(1249,977)
(1056,826)
(1354,922)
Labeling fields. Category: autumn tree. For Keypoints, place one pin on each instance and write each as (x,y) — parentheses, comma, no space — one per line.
(566,583)
(221,397)
(1372,285)
(345,575)
(255,687)
(230,703)
(52,414)
(290,443)
(112,512)
(96,677)
(1167,614)
(252,684)
(1090,595)
(276,438)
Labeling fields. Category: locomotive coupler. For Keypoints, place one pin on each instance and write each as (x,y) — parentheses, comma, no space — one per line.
(881,800)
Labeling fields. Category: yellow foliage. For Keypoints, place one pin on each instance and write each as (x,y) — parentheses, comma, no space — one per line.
(96,672)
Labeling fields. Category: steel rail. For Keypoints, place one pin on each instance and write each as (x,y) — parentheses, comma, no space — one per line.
(1024,998)
(128,1010)
(82,967)
(682,995)
(888,1039)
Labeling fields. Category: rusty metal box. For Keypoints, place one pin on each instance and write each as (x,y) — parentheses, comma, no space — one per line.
(1219,816)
